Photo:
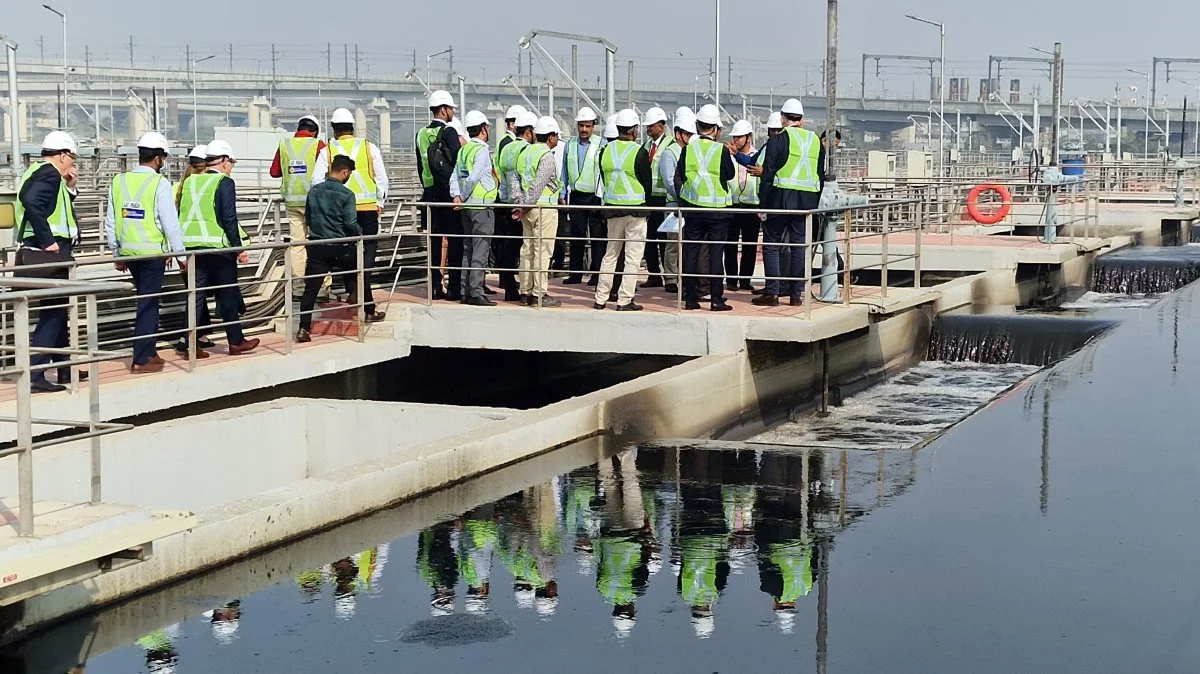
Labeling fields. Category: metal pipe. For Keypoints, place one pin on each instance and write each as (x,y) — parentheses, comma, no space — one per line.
(1057,103)
(610,71)
(717,55)
(831,48)
(550,97)
(14,122)
(24,418)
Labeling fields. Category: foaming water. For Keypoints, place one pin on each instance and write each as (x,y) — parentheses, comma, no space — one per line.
(1094,301)
(906,410)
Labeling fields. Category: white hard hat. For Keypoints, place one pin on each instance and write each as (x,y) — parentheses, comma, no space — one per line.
(526,118)
(654,116)
(775,121)
(199,152)
(627,117)
(623,626)
(345,606)
(476,604)
(792,106)
(456,124)
(545,126)
(342,116)
(475,118)
(220,148)
(524,597)
(709,114)
(686,122)
(684,110)
(225,631)
(785,619)
(741,127)
(154,141)
(60,140)
(704,626)
(545,606)
(441,97)
(309,118)
(585,114)
(514,112)
(610,128)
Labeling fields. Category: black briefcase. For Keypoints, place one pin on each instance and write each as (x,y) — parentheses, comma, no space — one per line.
(29,257)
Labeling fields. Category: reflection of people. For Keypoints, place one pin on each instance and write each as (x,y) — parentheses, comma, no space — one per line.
(225,622)
(345,588)
(530,548)
(161,656)
(437,563)
(479,540)
(704,536)
(622,547)
(310,583)
(785,573)
(784,551)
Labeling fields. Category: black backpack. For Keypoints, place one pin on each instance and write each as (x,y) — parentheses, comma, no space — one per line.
(440,161)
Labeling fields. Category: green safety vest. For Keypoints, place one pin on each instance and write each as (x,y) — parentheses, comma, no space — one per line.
(698,572)
(362,179)
(133,197)
(157,642)
(588,179)
(665,143)
(528,162)
(480,194)
(746,193)
(62,220)
(619,558)
(621,186)
(794,560)
(426,138)
(480,540)
(702,184)
(297,157)
(507,166)
(198,212)
(800,171)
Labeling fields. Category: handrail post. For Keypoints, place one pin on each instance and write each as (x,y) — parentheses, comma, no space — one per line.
(679,220)
(73,323)
(808,279)
(192,316)
(846,287)
(883,281)
(288,298)
(917,259)
(93,346)
(429,256)
(361,312)
(24,419)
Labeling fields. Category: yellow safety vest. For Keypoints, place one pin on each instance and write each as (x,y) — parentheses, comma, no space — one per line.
(362,180)
(297,157)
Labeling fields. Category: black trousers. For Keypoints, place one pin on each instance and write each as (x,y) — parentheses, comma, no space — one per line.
(51,329)
(507,251)
(745,229)
(445,221)
(368,222)
(714,231)
(220,269)
(148,279)
(323,259)
(585,226)
(655,241)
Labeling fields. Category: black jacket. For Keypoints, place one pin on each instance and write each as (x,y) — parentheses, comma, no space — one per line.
(227,215)
(39,197)
(773,198)
(439,191)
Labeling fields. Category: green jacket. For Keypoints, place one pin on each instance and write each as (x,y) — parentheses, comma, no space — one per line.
(331,211)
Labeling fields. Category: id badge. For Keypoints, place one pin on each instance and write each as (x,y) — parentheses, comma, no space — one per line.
(297,168)
(133,211)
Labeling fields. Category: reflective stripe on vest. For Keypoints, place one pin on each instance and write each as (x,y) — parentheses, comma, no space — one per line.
(744,188)
(507,166)
(481,193)
(621,186)
(198,212)
(297,157)
(362,179)
(800,171)
(133,197)
(61,221)
(658,188)
(425,138)
(702,175)
(529,161)
(588,179)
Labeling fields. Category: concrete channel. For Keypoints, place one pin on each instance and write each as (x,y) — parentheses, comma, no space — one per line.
(303,465)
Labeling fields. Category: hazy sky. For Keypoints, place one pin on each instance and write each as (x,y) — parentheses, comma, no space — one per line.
(1101,38)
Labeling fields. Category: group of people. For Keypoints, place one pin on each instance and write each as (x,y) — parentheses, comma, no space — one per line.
(501,206)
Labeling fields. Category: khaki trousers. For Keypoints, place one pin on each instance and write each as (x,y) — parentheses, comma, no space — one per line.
(539,227)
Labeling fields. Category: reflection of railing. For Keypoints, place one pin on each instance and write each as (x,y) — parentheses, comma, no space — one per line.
(28,291)
(877,222)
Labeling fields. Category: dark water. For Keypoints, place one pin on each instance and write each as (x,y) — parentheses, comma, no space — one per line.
(1146,270)
(1052,531)
(1011,338)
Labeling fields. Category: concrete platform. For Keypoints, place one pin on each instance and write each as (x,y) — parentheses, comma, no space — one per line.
(973,253)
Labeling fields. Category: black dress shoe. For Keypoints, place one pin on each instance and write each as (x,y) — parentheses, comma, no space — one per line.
(731,287)
(597,306)
(64,376)
(758,291)
(43,385)
(480,302)
(671,289)
(594,281)
(720,306)
(691,306)
(765,301)
(629,307)
(573,280)
(796,302)
(454,298)
(653,282)
(440,295)
(746,286)
(613,296)
(512,296)
(488,291)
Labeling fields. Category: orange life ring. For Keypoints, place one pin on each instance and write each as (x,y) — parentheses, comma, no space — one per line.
(989,218)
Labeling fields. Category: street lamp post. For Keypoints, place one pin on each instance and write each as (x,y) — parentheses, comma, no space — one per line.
(941,91)
(1196,147)
(1146,111)
(696,89)
(771,104)
(195,104)
(62,112)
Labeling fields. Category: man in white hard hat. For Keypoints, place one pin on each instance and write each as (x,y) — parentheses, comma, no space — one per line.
(683,130)
(791,180)
(658,139)
(507,244)
(539,189)
(580,185)
(745,228)
(293,164)
(47,230)
(625,174)
(369,182)
(209,219)
(438,145)
(702,178)
(610,132)
(475,188)
(510,127)
(141,222)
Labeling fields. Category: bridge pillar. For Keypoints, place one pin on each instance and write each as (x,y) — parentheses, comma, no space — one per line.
(259,113)
(384,110)
(139,118)
(360,123)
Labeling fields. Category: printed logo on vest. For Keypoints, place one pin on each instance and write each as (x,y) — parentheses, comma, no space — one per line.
(133,211)
(297,168)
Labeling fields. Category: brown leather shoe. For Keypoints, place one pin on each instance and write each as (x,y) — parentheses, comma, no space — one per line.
(149,368)
(245,347)
(155,360)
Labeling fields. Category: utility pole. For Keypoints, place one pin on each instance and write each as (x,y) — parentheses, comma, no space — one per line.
(346,59)
(130,52)
(87,60)
(629,81)
(574,76)
(1057,94)
(414,59)
(274,61)
(830,76)
(729,75)
(450,51)
(42,48)
(229,50)
(329,60)
(357,62)
(187,54)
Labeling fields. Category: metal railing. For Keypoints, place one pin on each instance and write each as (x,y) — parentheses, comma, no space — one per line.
(880,221)
(26,292)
